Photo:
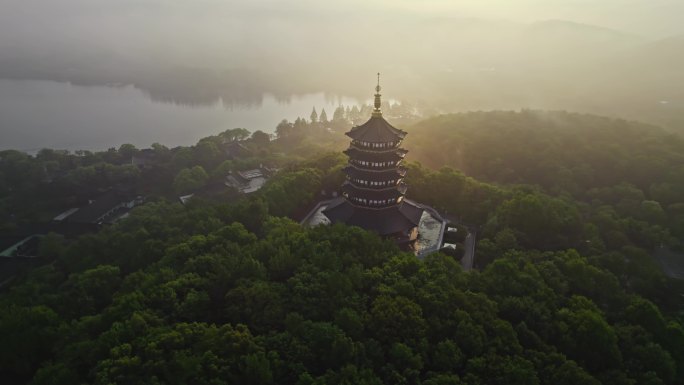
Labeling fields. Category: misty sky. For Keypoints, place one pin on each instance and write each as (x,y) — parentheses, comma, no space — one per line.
(488,48)
(206,32)
(655,18)
(460,54)
(31,17)
(115,22)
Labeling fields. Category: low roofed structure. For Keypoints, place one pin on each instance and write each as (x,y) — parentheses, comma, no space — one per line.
(249,181)
(105,208)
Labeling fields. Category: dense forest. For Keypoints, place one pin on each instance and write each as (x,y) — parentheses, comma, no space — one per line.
(623,171)
(571,210)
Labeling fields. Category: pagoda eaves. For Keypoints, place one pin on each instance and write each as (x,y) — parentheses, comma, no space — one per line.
(374,190)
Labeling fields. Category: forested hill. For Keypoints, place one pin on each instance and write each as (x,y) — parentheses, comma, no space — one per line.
(230,291)
(179,295)
(560,151)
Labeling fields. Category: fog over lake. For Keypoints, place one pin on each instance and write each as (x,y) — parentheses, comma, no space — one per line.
(38,114)
(619,58)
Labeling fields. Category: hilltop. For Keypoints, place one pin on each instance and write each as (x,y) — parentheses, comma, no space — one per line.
(227,289)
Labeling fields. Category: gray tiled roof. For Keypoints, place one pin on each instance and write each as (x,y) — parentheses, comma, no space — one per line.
(396,219)
(376,130)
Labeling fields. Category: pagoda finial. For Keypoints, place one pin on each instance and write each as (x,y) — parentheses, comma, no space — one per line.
(377,111)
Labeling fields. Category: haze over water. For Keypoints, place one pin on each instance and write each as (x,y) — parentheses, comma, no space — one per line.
(620,58)
(44,114)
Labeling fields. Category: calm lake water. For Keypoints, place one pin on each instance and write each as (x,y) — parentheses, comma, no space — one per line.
(44,114)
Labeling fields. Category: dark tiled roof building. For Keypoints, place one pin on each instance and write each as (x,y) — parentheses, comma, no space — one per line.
(374,190)
(105,208)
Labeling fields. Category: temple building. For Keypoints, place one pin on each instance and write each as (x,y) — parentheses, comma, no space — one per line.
(373,193)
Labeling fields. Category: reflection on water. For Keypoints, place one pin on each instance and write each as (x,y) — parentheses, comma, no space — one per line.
(38,114)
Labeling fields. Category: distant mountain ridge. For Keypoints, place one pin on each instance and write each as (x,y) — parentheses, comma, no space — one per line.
(450,64)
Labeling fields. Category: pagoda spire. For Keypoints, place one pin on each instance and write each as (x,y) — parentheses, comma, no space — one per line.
(377,112)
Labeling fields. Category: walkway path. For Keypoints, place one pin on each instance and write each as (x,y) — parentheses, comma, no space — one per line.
(469,254)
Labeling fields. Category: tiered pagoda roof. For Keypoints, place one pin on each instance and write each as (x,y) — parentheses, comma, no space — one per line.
(394,173)
(376,130)
(392,220)
(394,155)
(392,193)
(374,190)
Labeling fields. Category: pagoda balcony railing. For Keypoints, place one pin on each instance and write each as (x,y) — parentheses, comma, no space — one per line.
(398,151)
(376,169)
(401,170)
(394,186)
(372,206)
(375,150)
(361,146)
(378,186)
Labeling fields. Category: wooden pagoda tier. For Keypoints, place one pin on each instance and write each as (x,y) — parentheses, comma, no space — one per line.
(374,176)
(375,159)
(386,177)
(372,197)
(373,194)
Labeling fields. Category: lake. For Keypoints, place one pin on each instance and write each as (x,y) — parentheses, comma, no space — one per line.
(37,114)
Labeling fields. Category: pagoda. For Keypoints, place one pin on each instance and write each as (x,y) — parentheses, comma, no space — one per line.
(373,194)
